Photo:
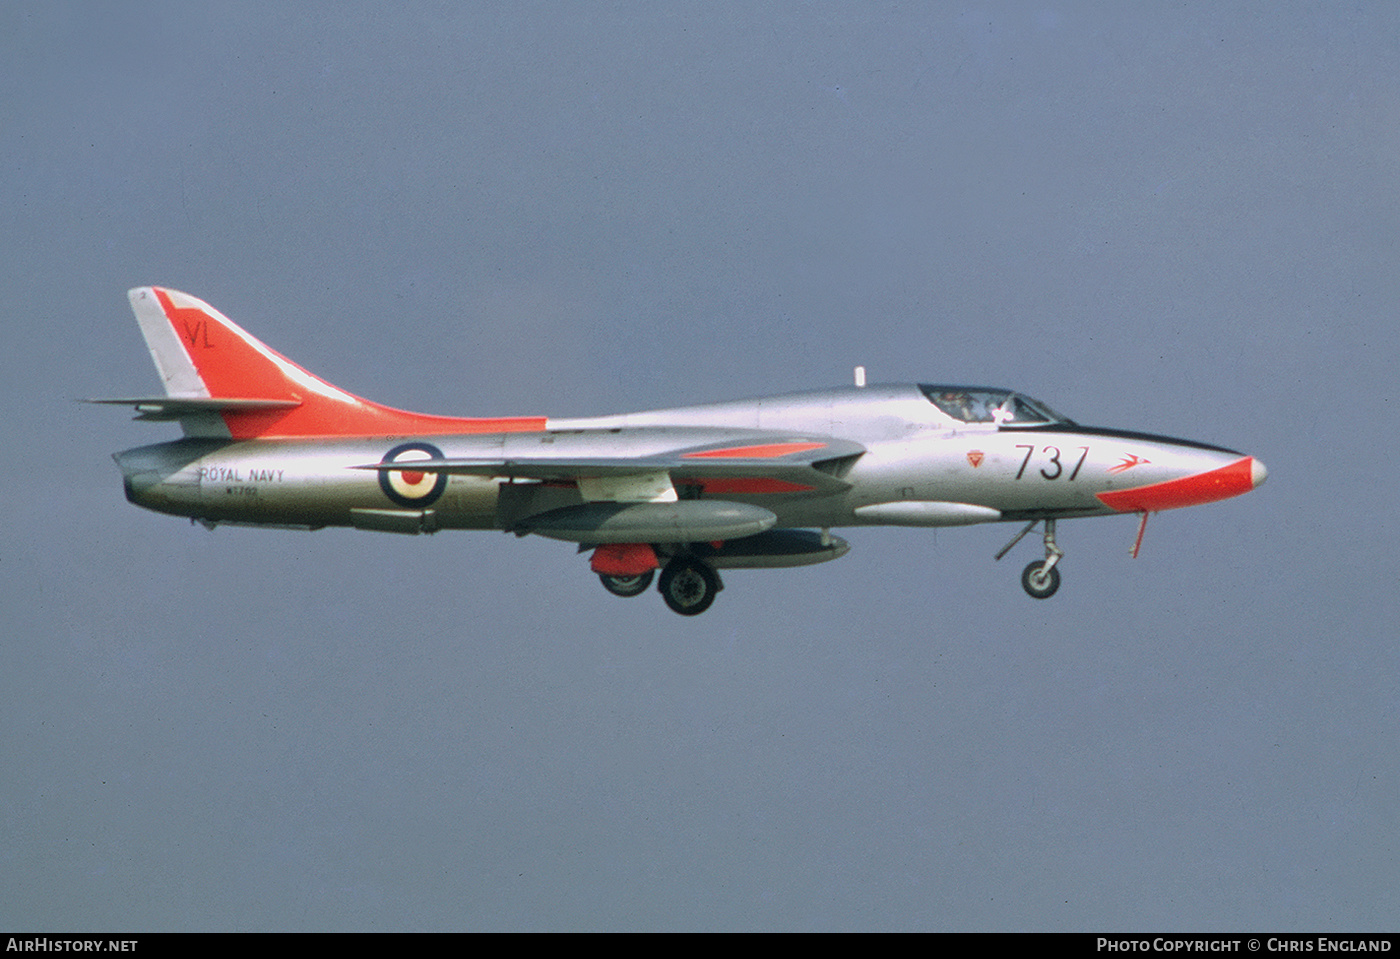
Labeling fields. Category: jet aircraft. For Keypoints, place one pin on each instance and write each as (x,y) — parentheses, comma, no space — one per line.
(757,483)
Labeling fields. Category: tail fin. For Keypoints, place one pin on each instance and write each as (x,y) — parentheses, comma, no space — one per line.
(211,366)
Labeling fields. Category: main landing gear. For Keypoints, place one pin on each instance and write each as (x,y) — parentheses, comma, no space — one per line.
(1040,579)
(688,585)
(627,585)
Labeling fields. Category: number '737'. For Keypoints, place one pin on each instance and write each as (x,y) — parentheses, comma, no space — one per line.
(1053,467)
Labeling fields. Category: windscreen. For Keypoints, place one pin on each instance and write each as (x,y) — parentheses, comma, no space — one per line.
(978,404)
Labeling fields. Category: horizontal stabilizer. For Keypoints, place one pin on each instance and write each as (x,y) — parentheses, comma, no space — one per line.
(174,407)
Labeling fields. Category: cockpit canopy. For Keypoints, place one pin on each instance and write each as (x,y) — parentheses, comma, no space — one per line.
(981,404)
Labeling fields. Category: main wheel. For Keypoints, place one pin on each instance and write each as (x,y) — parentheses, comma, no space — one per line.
(626,585)
(1038,583)
(688,586)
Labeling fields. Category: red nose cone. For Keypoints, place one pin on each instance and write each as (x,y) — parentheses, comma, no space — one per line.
(1239,477)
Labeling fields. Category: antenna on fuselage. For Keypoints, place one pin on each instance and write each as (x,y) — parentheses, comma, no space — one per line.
(860,376)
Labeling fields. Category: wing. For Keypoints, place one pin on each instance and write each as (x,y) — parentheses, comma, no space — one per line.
(645,465)
(627,479)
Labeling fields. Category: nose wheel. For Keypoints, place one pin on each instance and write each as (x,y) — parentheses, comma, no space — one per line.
(1040,579)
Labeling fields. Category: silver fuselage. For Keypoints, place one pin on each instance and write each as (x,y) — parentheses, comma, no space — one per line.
(920,467)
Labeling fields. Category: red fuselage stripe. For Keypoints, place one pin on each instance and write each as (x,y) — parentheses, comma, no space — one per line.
(750,485)
(761,451)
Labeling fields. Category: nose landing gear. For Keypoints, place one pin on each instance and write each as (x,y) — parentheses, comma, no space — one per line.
(1040,579)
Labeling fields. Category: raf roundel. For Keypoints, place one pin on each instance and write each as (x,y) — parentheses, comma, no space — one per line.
(412,487)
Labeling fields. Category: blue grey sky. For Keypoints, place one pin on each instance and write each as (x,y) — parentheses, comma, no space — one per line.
(1179,218)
